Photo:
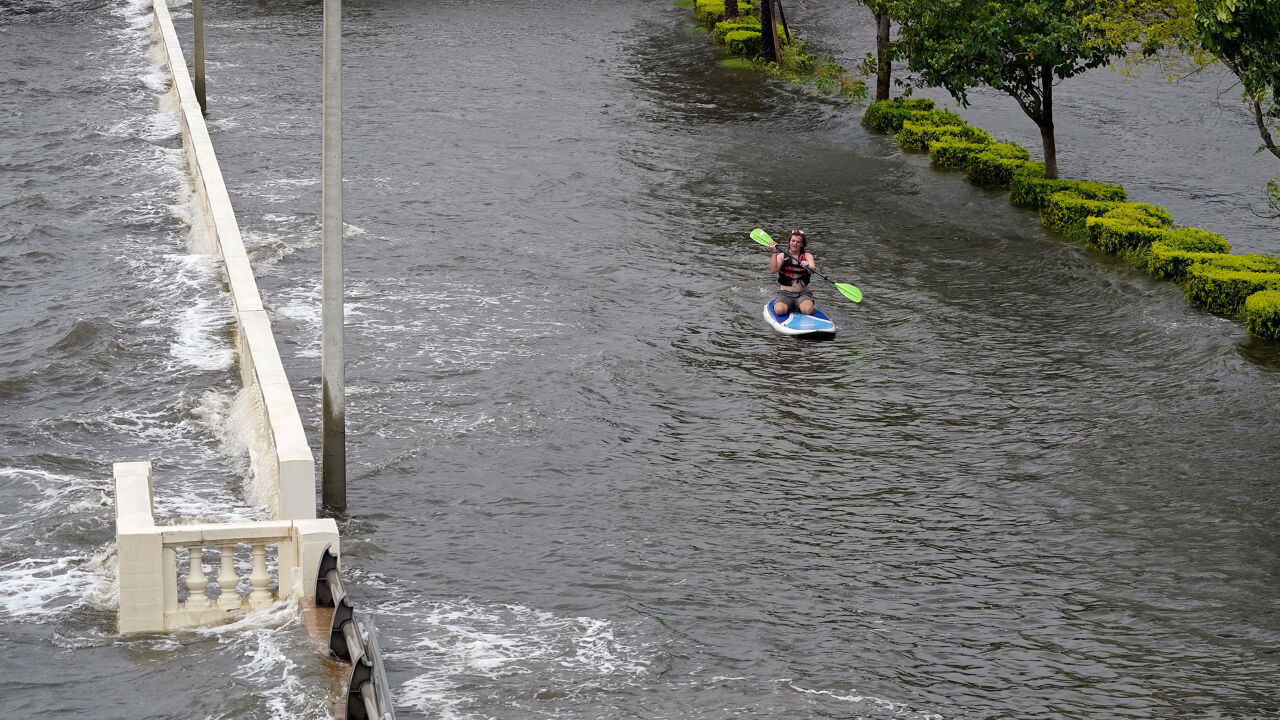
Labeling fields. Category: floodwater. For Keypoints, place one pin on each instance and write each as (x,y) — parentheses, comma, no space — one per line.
(586,480)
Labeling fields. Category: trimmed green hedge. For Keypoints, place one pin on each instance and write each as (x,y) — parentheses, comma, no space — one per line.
(992,169)
(949,152)
(1223,290)
(1196,240)
(1170,263)
(743,42)
(1098,213)
(1033,191)
(1067,212)
(710,12)
(1128,227)
(1116,235)
(916,136)
(886,116)
(728,26)
(1262,314)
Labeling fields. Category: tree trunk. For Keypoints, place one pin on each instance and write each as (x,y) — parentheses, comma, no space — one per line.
(884,66)
(768,33)
(1262,129)
(730,9)
(1045,121)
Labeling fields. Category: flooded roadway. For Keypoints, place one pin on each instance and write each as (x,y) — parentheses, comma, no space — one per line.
(586,479)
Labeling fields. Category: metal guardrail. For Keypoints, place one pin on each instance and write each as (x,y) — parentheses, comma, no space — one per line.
(368,695)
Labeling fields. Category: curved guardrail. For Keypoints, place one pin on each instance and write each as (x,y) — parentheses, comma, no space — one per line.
(368,696)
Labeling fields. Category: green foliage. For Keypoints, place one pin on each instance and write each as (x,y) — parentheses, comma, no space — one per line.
(1243,34)
(1196,240)
(742,37)
(1067,212)
(1247,263)
(743,42)
(952,153)
(1223,290)
(886,116)
(710,12)
(993,169)
(1118,234)
(1018,48)
(1034,192)
(1166,262)
(728,26)
(1262,314)
(915,136)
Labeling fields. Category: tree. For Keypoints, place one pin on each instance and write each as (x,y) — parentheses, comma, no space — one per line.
(884,56)
(1020,47)
(730,9)
(1245,36)
(769,49)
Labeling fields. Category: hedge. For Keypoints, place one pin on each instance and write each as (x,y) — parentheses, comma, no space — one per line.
(886,116)
(992,169)
(1116,235)
(1262,314)
(1128,227)
(949,152)
(915,136)
(1098,213)
(710,12)
(1033,191)
(1223,290)
(743,42)
(1196,240)
(728,26)
(1170,263)
(1067,212)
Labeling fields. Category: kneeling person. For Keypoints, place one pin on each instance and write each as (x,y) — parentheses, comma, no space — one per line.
(793,276)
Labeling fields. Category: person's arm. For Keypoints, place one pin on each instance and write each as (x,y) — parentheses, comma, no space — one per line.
(810,261)
(775,260)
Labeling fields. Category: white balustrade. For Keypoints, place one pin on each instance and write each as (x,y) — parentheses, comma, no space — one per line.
(226,603)
(228,598)
(152,574)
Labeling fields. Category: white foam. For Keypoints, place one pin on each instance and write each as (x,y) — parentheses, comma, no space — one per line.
(40,588)
(201,320)
(897,709)
(59,495)
(463,639)
(268,665)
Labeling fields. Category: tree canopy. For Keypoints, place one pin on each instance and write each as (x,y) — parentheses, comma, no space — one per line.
(1020,48)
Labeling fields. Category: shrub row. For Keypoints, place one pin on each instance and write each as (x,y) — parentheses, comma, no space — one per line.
(742,37)
(710,12)
(1098,214)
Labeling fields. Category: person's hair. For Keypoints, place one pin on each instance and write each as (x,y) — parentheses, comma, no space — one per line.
(804,242)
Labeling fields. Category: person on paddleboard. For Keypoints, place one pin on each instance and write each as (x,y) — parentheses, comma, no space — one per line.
(793,276)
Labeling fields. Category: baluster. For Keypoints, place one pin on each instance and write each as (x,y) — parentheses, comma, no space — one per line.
(228,579)
(170,580)
(196,580)
(259,578)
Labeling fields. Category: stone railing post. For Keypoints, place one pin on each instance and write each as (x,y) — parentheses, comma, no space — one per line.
(139,551)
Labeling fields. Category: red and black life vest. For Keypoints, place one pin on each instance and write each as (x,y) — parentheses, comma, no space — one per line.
(792,272)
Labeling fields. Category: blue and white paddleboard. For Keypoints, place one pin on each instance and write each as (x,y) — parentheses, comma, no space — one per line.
(817,324)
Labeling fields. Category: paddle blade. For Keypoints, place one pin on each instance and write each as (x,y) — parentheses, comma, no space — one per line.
(761,237)
(849,291)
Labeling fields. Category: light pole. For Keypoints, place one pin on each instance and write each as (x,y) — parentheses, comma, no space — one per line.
(333,444)
(197,53)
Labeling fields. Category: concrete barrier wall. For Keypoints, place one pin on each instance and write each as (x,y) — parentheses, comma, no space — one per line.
(288,464)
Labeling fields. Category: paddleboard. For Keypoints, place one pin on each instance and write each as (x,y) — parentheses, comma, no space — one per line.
(817,324)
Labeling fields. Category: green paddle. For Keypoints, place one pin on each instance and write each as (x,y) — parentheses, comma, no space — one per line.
(845,289)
